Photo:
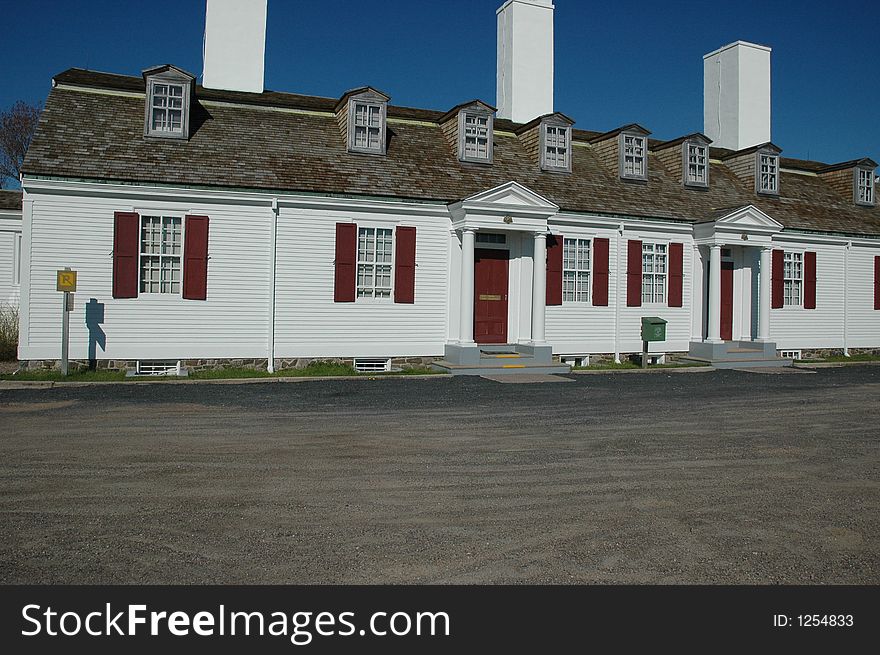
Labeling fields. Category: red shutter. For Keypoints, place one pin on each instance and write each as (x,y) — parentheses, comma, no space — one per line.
(195,258)
(777,284)
(126,247)
(809,280)
(346,262)
(600,272)
(405,265)
(876,282)
(676,274)
(554,269)
(634,273)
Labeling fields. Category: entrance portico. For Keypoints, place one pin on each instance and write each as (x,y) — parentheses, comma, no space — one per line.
(517,219)
(732,314)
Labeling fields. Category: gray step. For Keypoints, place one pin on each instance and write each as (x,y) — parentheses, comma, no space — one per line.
(493,367)
(498,348)
(743,353)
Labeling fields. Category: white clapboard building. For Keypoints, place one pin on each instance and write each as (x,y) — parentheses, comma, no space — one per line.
(10,248)
(222,223)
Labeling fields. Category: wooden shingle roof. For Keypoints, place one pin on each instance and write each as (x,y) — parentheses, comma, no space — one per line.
(237,143)
(10,200)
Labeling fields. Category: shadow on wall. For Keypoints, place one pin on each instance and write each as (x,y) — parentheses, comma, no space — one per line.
(94,319)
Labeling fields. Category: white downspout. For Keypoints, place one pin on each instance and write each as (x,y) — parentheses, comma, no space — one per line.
(845,295)
(270,337)
(619,240)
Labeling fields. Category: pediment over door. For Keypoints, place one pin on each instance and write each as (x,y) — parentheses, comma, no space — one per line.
(510,206)
(737,224)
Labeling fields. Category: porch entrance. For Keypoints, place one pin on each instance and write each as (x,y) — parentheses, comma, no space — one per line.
(490,295)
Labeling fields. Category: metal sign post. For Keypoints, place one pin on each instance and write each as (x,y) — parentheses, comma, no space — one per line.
(65,281)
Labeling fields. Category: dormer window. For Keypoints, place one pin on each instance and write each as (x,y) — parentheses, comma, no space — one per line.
(362,114)
(476,136)
(767,178)
(696,164)
(556,147)
(549,137)
(367,127)
(168,94)
(633,157)
(864,183)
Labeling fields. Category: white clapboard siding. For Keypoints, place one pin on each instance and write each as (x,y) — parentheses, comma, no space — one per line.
(10,234)
(77,232)
(581,328)
(310,324)
(577,327)
(863,321)
(678,328)
(796,327)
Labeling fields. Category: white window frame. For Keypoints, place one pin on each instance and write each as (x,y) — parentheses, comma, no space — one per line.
(633,149)
(696,158)
(652,249)
(864,187)
(162,256)
(560,139)
(168,79)
(463,117)
(368,102)
(793,279)
(771,174)
(576,280)
(363,262)
(16,259)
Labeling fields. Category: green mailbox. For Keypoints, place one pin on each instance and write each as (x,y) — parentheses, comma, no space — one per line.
(653,328)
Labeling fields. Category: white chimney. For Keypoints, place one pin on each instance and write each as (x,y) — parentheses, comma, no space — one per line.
(736,95)
(525,59)
(235,45)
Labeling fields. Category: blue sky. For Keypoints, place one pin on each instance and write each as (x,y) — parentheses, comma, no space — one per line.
(616,63)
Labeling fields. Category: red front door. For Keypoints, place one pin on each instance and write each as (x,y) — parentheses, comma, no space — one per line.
(490,296)
(727,301)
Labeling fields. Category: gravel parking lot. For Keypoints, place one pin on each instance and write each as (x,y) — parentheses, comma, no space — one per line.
(721,477)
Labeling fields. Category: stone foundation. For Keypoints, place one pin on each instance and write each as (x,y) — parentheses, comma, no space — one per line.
(608,358)
(822,353)
(281,363)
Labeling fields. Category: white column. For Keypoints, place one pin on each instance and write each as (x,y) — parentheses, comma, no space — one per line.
(466,330)
(539,287)
(714,331)
(697,307)
(764,294)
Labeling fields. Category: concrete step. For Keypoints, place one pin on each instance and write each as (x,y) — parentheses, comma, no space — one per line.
(499,367)
(496,356)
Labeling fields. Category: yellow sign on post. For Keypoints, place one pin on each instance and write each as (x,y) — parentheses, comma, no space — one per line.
(66,281)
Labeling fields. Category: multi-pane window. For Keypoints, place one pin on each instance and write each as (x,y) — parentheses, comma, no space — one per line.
(166,108)
(476,136)
(653,272)
(865,190)
(768,173)
(556,147)
(491,237)
(576,270)
(374,262)
(160,254)
(697,165)
(367,126)
(793,277)
(633,160)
